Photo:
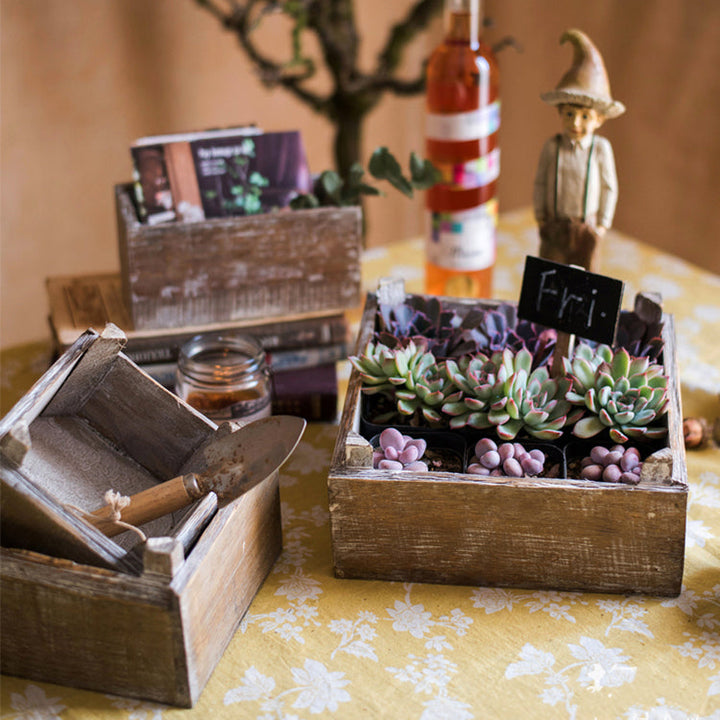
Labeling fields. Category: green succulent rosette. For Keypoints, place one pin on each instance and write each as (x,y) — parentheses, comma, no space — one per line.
(624,395)
(502,392)
(409,375)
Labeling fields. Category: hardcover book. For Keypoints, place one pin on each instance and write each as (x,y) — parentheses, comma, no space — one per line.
(80,302)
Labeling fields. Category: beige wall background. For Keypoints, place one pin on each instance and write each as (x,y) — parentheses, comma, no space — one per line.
(81,79)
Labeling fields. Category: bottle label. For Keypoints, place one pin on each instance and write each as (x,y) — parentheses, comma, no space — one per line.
(472,174)
(471,125)
(463,240)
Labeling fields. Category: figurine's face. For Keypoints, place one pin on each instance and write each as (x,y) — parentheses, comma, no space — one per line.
(580,122)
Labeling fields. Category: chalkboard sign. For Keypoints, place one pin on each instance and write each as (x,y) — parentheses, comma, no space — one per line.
(570,299)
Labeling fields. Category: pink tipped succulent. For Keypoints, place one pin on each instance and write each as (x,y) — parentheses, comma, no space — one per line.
(399,452)
(509,459)
(615,465)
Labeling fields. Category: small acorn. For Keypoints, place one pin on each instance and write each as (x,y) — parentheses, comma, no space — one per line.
(696,432)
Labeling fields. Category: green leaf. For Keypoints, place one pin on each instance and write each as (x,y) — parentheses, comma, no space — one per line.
(588,427)
(331,184)
(384,166)
(304,202)
(423,173)
(620,364)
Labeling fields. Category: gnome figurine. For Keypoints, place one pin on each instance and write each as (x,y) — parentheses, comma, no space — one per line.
(576,186)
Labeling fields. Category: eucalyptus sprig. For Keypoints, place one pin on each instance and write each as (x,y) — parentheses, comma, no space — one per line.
(332,190)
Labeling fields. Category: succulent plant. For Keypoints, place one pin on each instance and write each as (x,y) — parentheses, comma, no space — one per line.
(399,452)
(420,320)
(490,330)
(503,392)
(623,394)
(409,375)
(616,465)
(508,459)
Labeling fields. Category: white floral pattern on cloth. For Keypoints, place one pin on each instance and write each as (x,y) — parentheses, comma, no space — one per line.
(314,646)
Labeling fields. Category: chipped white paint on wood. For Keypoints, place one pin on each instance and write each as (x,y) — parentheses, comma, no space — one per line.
(228,269)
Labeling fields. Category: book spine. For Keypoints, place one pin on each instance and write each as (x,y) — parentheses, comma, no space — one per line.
(323,332)
(306,357)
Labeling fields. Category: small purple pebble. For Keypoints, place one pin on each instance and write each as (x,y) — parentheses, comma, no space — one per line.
(611,474)
(598,453)
(512,468)
(520,451)
(531,466)
(491,459)
(417,466)
(613,457)
(538,455)
(483,445)
(592,472)
(391,452)
(587,461)
(496,472)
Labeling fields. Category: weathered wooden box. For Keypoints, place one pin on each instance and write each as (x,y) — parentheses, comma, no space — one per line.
(457,528)
(227,269)
(80,609)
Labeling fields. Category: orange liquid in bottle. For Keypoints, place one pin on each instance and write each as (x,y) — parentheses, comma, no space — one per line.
(462,103)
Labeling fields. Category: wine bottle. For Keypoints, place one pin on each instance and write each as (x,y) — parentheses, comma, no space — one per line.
(462,129)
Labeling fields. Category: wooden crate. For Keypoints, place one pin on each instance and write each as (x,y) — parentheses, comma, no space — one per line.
(77,608)
(228,269)
(560,534)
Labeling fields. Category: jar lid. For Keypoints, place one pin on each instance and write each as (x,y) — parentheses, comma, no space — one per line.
(220,358)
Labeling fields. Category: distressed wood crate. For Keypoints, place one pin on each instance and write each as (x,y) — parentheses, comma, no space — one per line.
(457,528)
(148,620)
(228,269)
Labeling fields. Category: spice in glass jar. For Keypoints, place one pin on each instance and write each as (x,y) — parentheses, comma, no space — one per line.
(225,377)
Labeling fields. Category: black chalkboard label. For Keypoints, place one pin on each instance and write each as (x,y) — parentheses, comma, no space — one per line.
(570,299)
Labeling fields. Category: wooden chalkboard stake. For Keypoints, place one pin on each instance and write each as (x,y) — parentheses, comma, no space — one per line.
(563,349)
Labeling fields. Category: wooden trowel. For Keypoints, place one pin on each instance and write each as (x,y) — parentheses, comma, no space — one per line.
(234,463)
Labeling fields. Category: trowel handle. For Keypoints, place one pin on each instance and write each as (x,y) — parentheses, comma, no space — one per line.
(149,504)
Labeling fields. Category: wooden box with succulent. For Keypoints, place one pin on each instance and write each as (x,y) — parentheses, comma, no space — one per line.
(571,480)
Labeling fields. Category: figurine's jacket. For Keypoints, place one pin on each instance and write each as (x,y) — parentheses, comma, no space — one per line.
(568,186)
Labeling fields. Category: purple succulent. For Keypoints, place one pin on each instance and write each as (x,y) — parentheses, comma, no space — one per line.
(399,452)
(490,330)
(617,464)
(419,319)
(509,459)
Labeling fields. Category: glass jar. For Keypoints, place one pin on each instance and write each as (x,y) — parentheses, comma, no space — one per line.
(225,377)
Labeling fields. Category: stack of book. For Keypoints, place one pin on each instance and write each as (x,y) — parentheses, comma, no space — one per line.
(302,350)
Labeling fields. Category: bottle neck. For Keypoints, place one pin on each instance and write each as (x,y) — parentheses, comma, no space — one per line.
(462,22)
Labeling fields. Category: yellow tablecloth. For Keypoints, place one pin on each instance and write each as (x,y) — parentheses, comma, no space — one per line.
(315,646)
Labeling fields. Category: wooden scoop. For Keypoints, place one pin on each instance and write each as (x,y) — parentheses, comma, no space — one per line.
(235,463)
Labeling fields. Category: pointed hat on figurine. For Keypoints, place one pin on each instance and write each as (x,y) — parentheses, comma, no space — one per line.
(586,82)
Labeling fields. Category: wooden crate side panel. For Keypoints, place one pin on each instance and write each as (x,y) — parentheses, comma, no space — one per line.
(144,420)
(228,269)
(223,574)
(676,441)
(605,539)
(78,626)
